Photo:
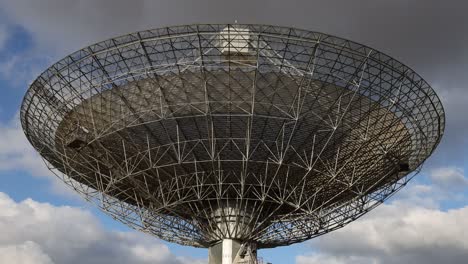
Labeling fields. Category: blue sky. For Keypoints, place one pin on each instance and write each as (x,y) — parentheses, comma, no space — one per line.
(428,37)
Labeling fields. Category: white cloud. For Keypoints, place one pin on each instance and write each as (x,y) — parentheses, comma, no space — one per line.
(17,154)
(393,235)
(26,253)
(33,232)
(404,231)
(449,178)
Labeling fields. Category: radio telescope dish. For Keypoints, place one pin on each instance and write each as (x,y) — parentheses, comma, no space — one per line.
(232,137)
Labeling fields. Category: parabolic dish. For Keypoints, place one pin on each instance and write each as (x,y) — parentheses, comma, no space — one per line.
(256,133)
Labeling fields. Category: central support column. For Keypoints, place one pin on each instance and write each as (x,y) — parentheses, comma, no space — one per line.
(224,252)
(231,224)
(230,251)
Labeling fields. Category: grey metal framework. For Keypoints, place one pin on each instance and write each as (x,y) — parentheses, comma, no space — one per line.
(261,134)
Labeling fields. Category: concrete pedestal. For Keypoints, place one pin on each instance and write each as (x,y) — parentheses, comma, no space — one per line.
(230,251)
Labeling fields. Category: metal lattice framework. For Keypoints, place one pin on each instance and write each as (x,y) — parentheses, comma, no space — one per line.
(257,133)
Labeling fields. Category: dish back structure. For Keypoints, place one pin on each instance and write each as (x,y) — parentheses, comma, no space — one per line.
(261,135)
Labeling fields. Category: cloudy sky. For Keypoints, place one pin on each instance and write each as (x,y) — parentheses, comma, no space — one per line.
(43,222)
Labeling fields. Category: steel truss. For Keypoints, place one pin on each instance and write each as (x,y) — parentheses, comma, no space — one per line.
(262,134)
